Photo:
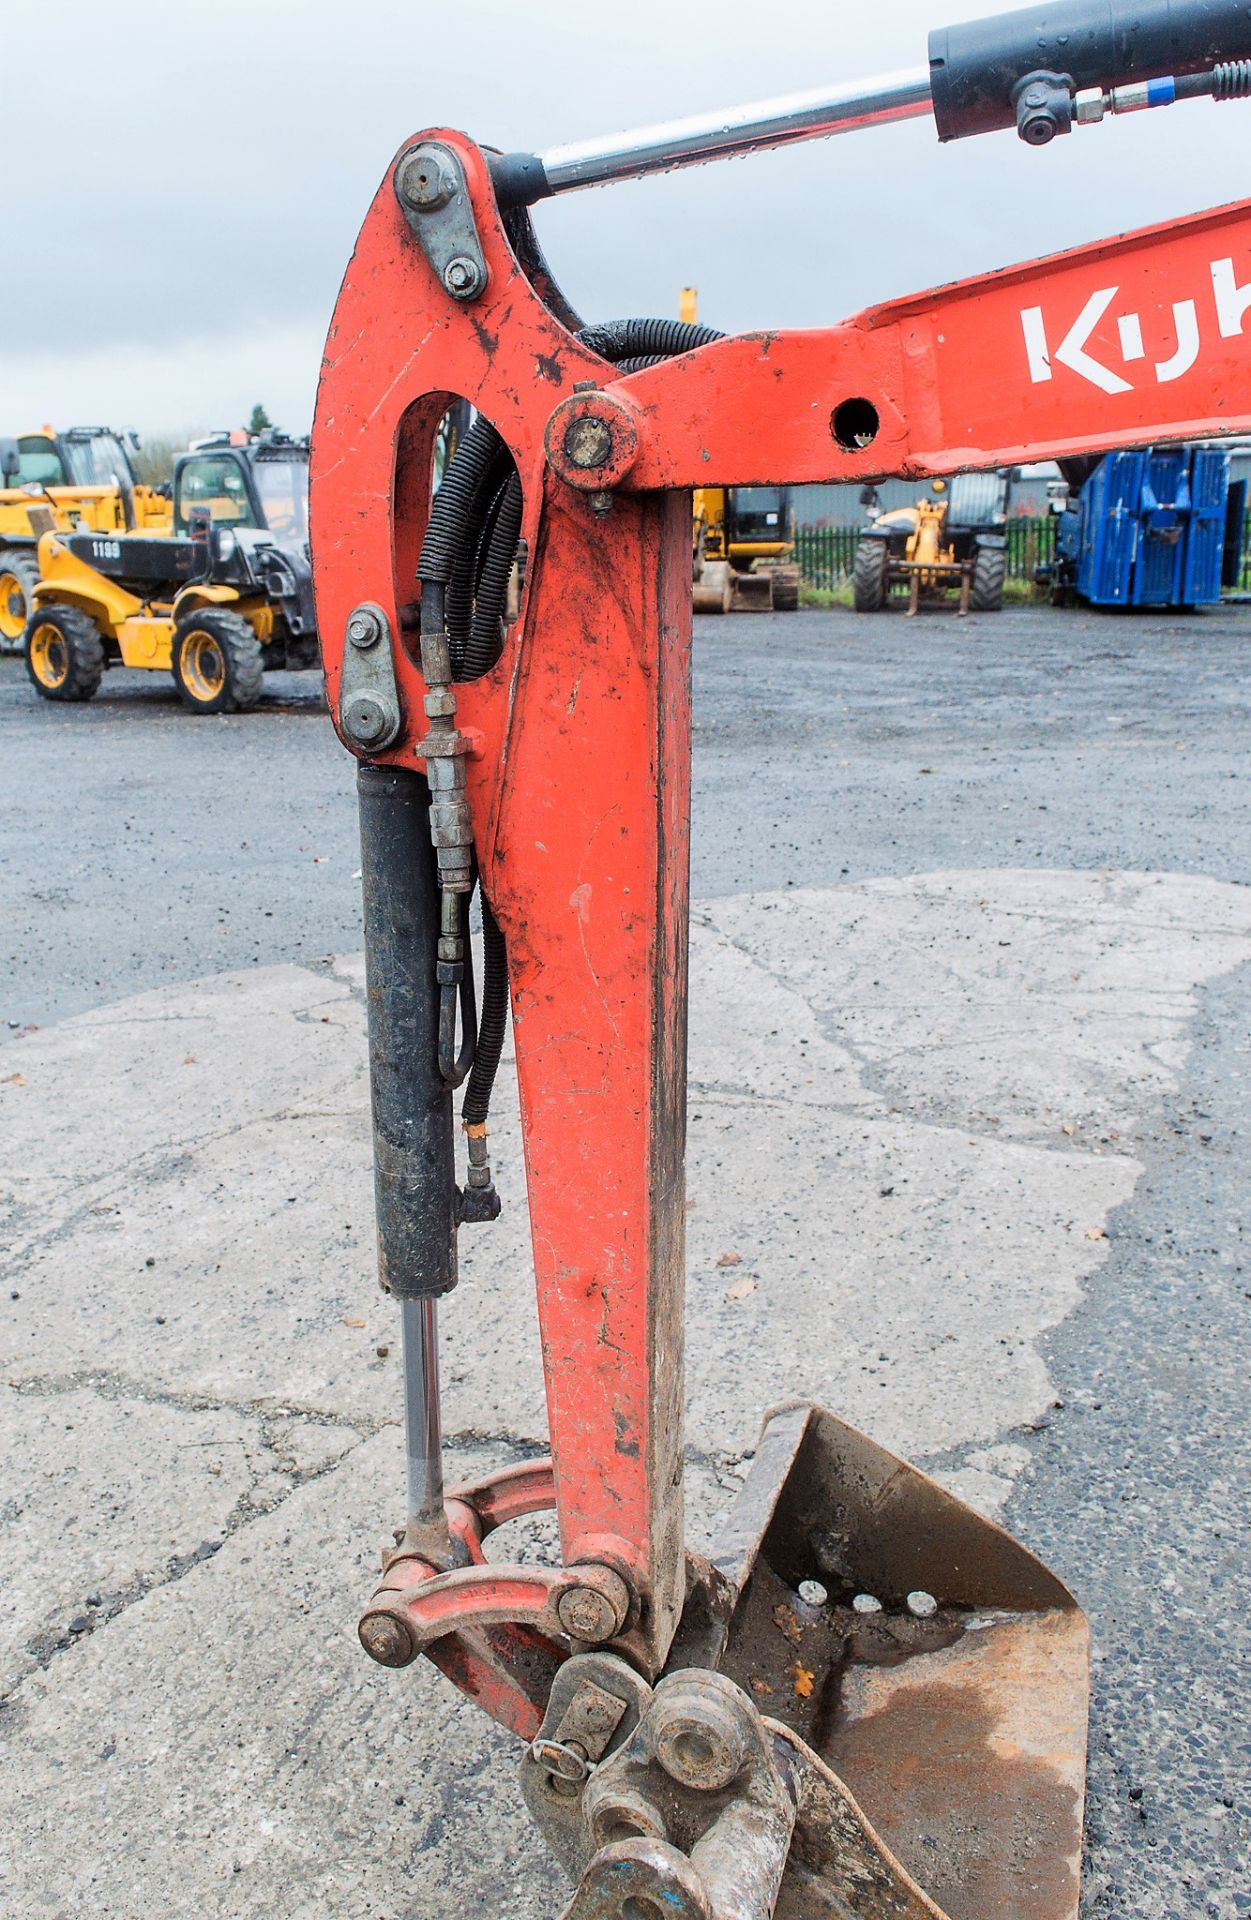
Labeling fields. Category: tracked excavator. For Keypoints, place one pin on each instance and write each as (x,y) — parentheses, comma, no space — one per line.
(866,1700)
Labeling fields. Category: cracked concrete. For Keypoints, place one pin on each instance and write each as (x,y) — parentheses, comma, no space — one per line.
(913,1108)
(218,1745)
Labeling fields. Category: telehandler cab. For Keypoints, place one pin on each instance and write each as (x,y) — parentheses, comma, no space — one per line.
(86,478)
(867,1702)
(218,599)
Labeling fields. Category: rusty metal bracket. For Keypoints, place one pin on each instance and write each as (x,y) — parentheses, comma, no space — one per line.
(702,1809)
(369,715)
(431,189)
(693,1813)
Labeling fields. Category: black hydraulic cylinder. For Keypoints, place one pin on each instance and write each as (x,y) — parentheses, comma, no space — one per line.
(974,67)
(414,1157)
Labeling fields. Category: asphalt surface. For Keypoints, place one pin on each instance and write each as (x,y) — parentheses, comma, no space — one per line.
(140,848)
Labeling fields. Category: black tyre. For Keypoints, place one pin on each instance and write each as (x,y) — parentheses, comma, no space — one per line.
(217,663)
(870,579)
(990,567)
(64,653)
(19,572)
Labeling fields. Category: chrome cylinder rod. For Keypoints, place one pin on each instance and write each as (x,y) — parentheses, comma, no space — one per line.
(423,1427)
(765,123)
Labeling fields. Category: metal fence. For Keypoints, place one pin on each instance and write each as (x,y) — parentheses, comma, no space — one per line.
(827,555)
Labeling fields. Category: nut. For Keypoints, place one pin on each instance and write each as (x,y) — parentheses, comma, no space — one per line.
(386,1640)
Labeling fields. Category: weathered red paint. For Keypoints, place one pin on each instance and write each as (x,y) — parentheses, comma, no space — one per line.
(579,787)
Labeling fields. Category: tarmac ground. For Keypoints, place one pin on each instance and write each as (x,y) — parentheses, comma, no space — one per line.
(970,1102)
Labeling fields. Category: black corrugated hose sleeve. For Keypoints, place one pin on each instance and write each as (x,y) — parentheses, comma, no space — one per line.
(466,559)
(485,635)
(451,511)
(492,1021)
(627,339)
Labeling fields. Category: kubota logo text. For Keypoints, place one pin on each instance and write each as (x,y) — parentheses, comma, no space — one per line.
(1232,302)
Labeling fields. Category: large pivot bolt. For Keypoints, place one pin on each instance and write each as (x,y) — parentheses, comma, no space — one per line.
(592,440)
(386,1640)
(424,180)
(365,717)
(595,1614)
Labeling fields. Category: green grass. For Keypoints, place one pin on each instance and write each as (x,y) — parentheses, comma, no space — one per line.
(839,596)
(1016,593)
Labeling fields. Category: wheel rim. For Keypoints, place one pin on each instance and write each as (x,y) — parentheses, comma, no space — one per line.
(49,656)
(203,666)
(13,609)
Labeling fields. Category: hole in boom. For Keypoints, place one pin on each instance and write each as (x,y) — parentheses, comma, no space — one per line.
(854,424)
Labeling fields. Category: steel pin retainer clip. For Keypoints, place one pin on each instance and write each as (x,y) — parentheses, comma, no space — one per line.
(369,701)
(434,197)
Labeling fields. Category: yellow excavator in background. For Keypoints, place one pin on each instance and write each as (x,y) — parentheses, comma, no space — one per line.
(743,539)
(81,480)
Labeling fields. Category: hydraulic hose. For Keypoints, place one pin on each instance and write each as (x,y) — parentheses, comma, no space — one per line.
(477,1102)
(466,559)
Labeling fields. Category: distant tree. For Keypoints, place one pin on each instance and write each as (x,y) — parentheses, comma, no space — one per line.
(154,462)
(260,419)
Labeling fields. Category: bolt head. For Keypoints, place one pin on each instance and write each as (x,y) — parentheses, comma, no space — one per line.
(424,180)
(385,1640)
(363,629)
(463,277)
(365,718)
(587,1615)
(588,442)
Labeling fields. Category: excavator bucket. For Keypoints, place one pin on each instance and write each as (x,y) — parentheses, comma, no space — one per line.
(752,592)
(925,1659)
(874,1709)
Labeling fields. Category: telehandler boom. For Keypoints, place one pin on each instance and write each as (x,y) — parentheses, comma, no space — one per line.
(867,1701)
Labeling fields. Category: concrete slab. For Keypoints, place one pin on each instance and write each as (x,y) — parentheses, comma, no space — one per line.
(899,1181)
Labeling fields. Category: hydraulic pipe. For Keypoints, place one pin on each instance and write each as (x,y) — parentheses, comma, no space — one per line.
(423,1426)
(414,1156)
(720,136)
(414,1164)
(971,85)
(975,68)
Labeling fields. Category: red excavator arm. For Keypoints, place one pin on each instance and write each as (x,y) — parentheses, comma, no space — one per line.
(546,759)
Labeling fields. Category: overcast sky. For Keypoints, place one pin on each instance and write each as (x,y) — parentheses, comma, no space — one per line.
(185,182)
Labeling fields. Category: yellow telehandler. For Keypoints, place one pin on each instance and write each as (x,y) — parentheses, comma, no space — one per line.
(952,538)
(216,596)
(85,480)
